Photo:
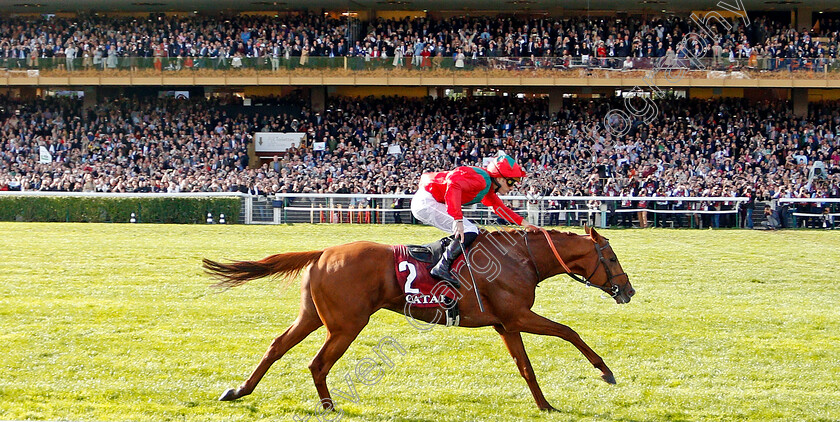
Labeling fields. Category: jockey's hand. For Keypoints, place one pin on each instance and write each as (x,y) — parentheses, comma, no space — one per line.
(530,227)
(459,231)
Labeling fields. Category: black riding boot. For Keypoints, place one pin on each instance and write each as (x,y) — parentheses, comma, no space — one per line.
(443,267)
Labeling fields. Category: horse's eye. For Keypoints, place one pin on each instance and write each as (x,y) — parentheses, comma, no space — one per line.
(613,260)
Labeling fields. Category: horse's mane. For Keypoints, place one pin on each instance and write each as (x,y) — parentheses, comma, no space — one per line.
(506,233)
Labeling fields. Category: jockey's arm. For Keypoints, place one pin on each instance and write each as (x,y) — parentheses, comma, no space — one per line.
(508,214)
(453,201)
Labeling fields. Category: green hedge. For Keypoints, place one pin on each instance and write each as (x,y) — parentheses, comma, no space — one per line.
(117,210)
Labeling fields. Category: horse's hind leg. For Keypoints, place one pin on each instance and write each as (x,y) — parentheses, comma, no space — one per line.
(306,322)
(338,340)
(346,294)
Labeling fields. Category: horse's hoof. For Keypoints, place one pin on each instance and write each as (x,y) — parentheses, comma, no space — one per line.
(229,395)
(548,409)
(608,378)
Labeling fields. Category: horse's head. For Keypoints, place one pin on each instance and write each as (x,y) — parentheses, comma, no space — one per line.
(607,273)
(591,261)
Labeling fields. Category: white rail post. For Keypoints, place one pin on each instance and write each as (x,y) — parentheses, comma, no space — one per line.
(249,209)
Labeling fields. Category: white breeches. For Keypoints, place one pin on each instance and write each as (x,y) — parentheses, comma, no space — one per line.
(427,209)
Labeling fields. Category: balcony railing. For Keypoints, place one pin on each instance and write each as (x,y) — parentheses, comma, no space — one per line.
(499,66)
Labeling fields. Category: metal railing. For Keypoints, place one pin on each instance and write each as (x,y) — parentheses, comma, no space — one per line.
(232,65)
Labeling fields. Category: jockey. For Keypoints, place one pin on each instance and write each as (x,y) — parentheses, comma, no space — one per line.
(439,199)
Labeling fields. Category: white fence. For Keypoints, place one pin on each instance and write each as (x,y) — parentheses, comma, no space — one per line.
(599,211)
(809,212)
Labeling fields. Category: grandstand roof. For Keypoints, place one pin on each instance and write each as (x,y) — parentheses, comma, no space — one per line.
(517,6)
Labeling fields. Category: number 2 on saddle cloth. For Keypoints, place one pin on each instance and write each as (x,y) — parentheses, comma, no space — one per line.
(421,289)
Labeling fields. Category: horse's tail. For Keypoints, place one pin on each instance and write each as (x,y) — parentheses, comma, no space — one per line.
(238,273)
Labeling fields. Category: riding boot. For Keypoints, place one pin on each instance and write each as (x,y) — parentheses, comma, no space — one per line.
(442,269)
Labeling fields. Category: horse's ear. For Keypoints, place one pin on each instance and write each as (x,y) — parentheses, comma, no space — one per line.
(596,237)
(586,228)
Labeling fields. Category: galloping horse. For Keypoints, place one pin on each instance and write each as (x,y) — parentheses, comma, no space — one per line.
(365,270)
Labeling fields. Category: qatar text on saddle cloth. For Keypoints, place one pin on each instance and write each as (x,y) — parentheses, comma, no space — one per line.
(420,288)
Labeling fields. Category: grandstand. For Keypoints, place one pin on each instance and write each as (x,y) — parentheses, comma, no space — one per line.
(656,100)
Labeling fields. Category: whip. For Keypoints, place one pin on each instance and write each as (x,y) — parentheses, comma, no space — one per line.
(472,277)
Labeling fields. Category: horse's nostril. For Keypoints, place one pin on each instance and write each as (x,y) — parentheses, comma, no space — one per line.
(631,292)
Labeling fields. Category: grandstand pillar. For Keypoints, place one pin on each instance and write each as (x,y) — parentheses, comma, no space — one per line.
(318,98)
(26,92)
(555,100)
(800,101)
(89,101)
(804,18)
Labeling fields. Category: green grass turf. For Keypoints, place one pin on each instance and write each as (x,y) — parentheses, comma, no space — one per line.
(115,322)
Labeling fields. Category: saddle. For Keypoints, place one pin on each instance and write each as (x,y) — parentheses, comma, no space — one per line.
(429,253)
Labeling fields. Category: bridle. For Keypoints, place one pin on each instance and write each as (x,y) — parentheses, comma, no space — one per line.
(609,287)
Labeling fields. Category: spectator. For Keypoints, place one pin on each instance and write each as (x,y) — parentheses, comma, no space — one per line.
(771,221)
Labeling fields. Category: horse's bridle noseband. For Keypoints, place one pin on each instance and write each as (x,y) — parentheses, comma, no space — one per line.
(609,287)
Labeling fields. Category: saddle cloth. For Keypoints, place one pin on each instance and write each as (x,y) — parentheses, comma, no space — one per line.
(420,288)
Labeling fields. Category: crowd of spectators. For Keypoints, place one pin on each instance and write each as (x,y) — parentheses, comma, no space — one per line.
(101,42)
(123,145)
(723,147)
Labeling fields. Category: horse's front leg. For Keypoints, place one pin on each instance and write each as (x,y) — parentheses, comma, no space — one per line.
(530,322)
(513,342)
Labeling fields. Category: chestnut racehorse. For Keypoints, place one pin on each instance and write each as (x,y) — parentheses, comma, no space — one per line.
(365,271)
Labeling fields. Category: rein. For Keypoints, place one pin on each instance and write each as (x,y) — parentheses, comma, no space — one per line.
(609,287)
